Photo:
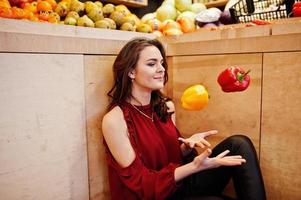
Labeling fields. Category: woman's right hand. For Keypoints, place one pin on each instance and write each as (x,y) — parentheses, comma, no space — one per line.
(202,161)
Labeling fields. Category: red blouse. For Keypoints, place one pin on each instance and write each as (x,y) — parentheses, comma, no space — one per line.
(158,153)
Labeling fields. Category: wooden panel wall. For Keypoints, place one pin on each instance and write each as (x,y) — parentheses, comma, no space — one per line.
(281,137)
(42,127)
(229,113)
(98,80)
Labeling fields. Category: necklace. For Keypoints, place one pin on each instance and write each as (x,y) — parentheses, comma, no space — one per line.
(145,115)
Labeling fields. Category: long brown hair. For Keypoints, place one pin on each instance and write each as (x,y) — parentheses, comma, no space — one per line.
(124,63)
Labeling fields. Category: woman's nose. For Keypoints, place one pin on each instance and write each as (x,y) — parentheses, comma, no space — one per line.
(161,68)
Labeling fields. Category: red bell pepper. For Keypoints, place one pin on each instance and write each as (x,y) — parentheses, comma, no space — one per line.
(297,9)
(234,79)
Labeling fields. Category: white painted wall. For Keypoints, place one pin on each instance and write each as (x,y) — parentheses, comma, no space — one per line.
(43,153)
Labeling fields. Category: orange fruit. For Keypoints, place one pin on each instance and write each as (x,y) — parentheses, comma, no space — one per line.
(187,25)
(18,13)
(172,32)
(34,18)
(44,6)
(53,19)
(6,12)
(170,24)
(55,15)
(43,15)
(52,3)
(5,4)
(32,7)
(27,14)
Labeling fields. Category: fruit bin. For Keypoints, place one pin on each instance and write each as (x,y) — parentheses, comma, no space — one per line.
(247,10)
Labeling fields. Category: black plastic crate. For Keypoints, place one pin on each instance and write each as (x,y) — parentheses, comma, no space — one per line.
(247,10)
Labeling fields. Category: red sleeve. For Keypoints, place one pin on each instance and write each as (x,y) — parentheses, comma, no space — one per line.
(147,183)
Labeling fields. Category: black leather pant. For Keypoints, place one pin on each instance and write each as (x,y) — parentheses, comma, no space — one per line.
(247,178)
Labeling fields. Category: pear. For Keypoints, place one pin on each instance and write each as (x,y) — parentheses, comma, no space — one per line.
(62,9)
(102,24)
(118,17)
(111,22)
(148,16)
(133,19)
(77,6)
(95,14)
(68,2)
(89,5)
(144,28)
(85,21)
(108,9)
(127,27)
(73,14)
(122,8)
(70,21)
(54,14)
(99,4)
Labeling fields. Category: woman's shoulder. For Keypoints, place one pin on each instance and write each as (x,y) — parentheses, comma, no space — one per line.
(116,136)
(113,117)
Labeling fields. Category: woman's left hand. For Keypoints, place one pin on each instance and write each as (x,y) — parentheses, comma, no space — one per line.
(198,139)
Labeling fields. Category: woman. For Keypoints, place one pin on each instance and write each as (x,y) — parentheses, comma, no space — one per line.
(147,157)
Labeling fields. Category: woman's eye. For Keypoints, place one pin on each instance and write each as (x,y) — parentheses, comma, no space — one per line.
(151,64)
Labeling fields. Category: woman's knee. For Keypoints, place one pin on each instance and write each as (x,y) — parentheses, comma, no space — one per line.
(241,141)
(237,144)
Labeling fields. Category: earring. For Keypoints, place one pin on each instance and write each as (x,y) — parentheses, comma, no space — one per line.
(132,77)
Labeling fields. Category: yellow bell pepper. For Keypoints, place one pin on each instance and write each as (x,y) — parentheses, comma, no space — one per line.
(195,97)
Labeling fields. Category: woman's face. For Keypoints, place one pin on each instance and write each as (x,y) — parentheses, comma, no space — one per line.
(149,72)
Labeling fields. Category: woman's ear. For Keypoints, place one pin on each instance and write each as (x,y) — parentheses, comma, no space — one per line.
(132,74)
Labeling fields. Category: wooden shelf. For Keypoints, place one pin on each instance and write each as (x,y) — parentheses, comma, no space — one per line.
(130,3)
(218,3)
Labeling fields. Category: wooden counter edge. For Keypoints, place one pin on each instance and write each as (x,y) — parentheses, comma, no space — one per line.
(26,36)
(272,43)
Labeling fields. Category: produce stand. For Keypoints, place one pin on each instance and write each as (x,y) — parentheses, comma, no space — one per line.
(54,81)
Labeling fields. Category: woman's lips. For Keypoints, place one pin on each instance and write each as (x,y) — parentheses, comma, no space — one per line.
(159,78)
